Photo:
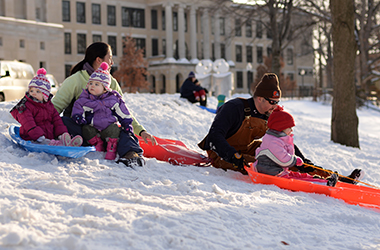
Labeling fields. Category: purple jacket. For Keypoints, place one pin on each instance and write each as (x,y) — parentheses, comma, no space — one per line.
(38,119)
(104,110)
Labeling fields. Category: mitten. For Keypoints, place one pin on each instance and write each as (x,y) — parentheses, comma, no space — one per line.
(41,139)
(237,161)
(299,161)
(79,119)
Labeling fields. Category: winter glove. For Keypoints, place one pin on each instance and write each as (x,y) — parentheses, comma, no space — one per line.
(79,119)
(299,162)
(237,161)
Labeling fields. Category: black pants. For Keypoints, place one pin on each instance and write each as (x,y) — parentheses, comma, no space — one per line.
(193,100)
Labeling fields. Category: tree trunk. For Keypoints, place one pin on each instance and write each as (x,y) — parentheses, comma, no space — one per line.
(344,121)
(276,49)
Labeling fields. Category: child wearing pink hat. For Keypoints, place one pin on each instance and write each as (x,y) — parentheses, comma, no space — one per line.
(276,153)
(40,121)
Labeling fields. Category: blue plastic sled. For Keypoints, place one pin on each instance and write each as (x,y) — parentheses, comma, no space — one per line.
(208,109)
(71,152)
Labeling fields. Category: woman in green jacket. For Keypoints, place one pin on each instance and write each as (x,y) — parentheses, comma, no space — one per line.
(128,147)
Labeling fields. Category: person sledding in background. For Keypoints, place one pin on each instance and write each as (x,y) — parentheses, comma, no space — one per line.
(276,153)
(238,126)
(192,90)
(98,109)
(40,121)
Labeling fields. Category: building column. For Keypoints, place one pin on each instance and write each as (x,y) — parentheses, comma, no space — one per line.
(206,34)
(193,35)
(9,8)
(181,34)
(31,10)
(169,32)
(217,35)
(228,44)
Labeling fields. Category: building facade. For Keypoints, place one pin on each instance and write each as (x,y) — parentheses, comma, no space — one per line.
(54,34)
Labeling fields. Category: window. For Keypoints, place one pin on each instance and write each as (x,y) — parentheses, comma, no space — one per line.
(222,51)
(239,53)
(96,13)
(1,41)
(112,43)
(269,32)
(154,47)
(133,17)
(43,65)
(22,43)
(213,52)
(248,29)
(96,38)
(269,51)
(81,43)
(163,20)
(111,15)
(289,56)
(259,30)
(65,11)
(175,21)
(239,79)
(185,22)
(237,27)
(291,76)
(67,70)
(67,43)
(249,79)
(81,12)
(222,26)
(164,47)
(42,45)
(249,53)
(140,44)
(259,52)
(153,14)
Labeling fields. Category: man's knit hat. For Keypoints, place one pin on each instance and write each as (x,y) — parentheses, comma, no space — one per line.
(280,119)
(191,74)
(268,87)
(42,83)
(102,75)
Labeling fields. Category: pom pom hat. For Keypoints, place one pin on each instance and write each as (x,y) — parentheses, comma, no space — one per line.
(102,75)
(268,87)
(280,120)
(191,74)
(42,83)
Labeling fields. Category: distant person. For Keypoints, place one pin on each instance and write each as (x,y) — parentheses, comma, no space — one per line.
(98,109)
(73,86)
(40,121)
(192,90)
(276,153)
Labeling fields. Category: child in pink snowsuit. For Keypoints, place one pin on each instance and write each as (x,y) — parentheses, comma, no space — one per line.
(276,152)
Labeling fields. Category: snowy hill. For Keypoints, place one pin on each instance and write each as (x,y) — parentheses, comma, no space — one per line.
(47,202)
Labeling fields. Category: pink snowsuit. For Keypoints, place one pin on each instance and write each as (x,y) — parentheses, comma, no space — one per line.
(276,154)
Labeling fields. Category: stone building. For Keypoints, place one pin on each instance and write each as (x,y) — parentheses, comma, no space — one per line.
(54,34)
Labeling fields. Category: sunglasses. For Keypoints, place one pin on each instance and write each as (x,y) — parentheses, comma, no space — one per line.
(272,102)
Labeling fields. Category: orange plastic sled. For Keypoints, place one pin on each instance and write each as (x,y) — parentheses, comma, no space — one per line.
(173,151)
(351,194)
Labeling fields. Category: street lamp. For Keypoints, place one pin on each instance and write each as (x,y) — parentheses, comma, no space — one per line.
(302,74)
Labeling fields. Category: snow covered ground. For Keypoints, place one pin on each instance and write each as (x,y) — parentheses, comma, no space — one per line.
(47,202)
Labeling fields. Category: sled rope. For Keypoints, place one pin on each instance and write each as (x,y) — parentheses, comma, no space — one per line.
(331,172)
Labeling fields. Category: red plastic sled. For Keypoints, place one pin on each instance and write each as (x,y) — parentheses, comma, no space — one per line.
(351,194)
(173,151)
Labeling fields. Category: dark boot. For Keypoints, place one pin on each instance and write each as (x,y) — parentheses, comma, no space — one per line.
(132,159)
(111,148)
(353,178)
(332,180)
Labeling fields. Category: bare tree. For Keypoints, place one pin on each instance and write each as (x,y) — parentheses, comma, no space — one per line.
(344,121)
(132,70)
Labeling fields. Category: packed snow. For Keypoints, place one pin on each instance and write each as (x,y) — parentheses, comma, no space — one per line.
(49,202)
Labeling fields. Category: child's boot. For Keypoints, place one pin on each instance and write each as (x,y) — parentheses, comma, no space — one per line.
(76,141)
(111,148)
(332,180)
(65,139)
(97,142)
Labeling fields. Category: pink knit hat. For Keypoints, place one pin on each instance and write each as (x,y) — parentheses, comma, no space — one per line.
(102,75)
(42,83)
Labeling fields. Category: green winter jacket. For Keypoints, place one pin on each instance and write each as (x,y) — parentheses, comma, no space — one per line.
(74,85)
